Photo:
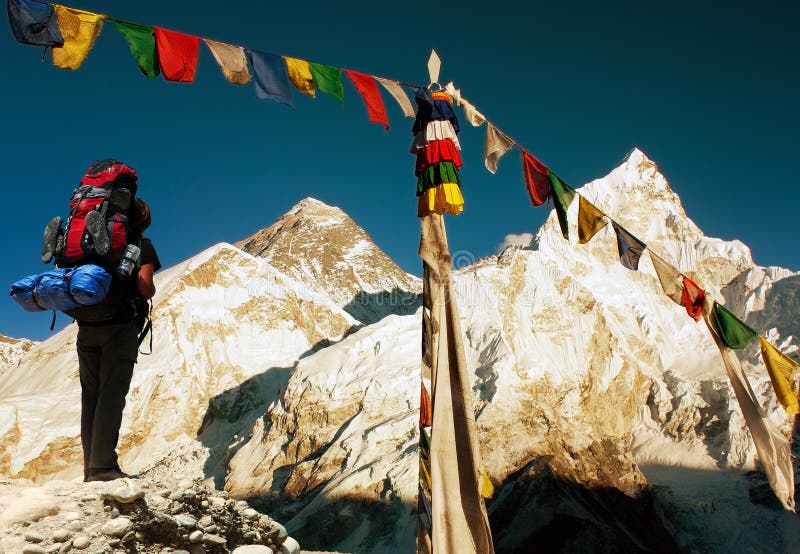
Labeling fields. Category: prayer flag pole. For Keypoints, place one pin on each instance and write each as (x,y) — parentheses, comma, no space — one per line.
(451,513)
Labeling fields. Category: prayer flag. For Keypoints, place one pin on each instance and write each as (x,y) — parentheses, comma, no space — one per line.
(141,40)
(670,278)
(425,408)
(270,77)
(590,220)
(177,54)
(394,88)
(34,23)
(231,60)
(79,29)
(781,370)
(630,248)
(486,486)
(772,448)
(732,330)
(368,89)
(475,117)
(328,79)
(300,75)
(562,198)
(536,179)
(497,144)
(459,522)
(693,297)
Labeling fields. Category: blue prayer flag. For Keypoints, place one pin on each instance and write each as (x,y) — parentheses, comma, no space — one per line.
(270,76)
(34,23)
(630,248)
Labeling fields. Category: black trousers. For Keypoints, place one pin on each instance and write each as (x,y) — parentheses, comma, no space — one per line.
(106,355)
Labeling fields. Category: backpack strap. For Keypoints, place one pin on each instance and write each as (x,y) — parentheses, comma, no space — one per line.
(148,328)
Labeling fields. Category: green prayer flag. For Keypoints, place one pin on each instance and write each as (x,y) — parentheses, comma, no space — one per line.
(142,42)
(562,198)
(732,330)
(328,79)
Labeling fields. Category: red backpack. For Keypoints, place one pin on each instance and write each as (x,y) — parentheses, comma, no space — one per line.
(97,228)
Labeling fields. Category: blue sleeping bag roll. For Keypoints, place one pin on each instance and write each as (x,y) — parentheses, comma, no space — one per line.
(89,284)
(62,288)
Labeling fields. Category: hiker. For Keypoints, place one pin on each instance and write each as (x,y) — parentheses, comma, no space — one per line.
(107,352)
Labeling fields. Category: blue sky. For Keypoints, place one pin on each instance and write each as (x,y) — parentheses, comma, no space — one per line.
(707,89)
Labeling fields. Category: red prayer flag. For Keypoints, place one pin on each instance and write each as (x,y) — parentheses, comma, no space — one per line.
(693,297)
(425,407)
(368,89)
(177,54)
(536,179)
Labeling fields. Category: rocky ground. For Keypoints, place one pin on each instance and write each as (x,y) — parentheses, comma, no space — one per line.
(133,515)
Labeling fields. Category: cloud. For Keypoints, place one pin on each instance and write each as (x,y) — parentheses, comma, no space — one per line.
(523,239)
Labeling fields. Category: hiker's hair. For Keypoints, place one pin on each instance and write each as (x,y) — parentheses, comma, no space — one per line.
(140,215)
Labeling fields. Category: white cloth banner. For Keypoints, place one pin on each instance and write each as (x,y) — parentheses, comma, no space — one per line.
(497,144)
(459,523)
(397,92)
(434,130)
(772,446)
(231,60)
(475,117)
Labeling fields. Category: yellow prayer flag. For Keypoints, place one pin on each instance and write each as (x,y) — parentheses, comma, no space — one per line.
(781,371)
(486,485)
(80,29)
(424,474)
(590,220)
(300,75)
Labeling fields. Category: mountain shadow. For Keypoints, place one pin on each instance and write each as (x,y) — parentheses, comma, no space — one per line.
(536,510)
(370,308)
(232,413)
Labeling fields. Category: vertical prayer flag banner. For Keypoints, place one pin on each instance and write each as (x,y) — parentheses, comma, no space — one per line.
(270,77)
(34,23)
(562,198)
(396,90)
(496,146)
(368,89)
(536,179)
(300,75)
(79,29)
(459,523)
(141,40)
(732,330)
(177,54)
(781,370)
(630,248)
(231,60)
(590,220)
(328,79)
(773,449)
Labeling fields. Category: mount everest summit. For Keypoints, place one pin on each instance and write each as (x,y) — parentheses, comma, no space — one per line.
(286,370)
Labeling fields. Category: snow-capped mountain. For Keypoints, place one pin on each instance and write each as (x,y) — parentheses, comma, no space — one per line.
(288,370)
(321,245)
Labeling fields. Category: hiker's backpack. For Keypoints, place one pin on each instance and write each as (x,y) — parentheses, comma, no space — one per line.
(97,232)
(108,188)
